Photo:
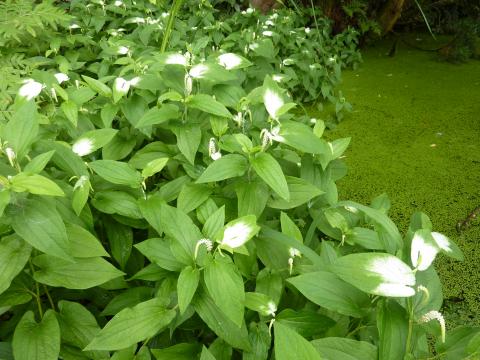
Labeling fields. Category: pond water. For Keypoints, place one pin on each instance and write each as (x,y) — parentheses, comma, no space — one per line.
(415,131)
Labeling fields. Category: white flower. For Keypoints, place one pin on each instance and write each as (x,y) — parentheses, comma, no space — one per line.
(267,33)
(11,156)
(74,26)
(250,10)
(273,102)
(277,77)
(134,81)
(30,89)
(83,147)
(288,62)
(121,85)
(206,242)
(229,61)
(435,315)
(81,182)
(307,30)
(61,77)
(294,252)
(216,155)
(118,3)
(176,59)
(236,235)
(269,23)
(123,50)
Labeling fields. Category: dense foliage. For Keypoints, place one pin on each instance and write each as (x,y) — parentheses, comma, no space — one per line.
(172,204)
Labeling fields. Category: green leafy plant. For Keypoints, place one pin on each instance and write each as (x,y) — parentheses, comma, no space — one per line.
(163,204)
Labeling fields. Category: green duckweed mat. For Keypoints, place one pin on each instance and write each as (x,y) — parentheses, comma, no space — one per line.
(415,130)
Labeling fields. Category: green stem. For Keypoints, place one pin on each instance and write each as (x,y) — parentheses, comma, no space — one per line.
(37,288)
(410,327)
(52,304)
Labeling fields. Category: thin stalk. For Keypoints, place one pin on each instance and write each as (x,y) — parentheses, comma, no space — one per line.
(37,288)
(314,16)
(52,304)
(177,4)
(410,327)
(425,19)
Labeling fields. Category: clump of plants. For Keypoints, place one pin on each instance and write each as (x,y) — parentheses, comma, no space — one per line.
(160,205)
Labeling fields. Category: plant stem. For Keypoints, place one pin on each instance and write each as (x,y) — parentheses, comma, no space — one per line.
(37,288)
(410,327)
(52,304)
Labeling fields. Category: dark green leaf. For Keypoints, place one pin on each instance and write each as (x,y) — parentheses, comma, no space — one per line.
(270,171)
(187,286)
(226,167)
(14,254)
(290,345)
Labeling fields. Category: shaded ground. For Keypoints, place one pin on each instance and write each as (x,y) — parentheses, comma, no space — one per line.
(415,134)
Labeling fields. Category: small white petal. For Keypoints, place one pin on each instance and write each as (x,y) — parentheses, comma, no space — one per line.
(82,147)
(61,77)
(236,235)
(121,85)
(30,89)
(123,50)
(229,61)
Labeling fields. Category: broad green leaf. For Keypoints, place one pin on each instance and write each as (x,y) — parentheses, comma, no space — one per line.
(272,97)
(5,198)
(206,355)
(107,114)
(366,238)
(300,137)
(225,286)
(182,351)
(252,198)
(270,171)
(211,72)
(447,246)
(65,159)
(232,61)
(82,243)
(38,163)
(460,343)
(128,298)
(237,232)
(156,116)
(132,325)
(70,109)
(290,345)
(188,141)
(260,303)
(226,167)
(289,227)
(261,339)
(376,273)
(214,223)
(22,129)
(307,323)
(120,238)
(81,191)
(392,324)
(389,235)
(39,223)
(154,166)
(219,323)
(208,104)
(120,146)
(327,290)
(92,141)
(345,349)
(158,251)
(117,202)
(14,254)
(301,191)
(35,184)
(117,172)
(177,225)
(36,341)
(98,86)
(187,286)
(78,326)
(192,196)
(84,273)
(424,249)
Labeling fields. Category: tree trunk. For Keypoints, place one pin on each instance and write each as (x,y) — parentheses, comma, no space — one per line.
(390,14)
